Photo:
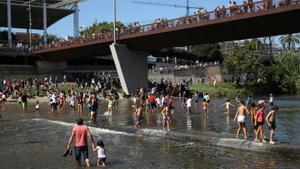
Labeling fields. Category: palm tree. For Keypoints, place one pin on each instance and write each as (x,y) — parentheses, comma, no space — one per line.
(290,40)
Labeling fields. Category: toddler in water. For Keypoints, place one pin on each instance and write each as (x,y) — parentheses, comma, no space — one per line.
(37,106)
(101,160)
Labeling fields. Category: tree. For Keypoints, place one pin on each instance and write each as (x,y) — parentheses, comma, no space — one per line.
(286,71)
(102,27)
(289,40)
(242,60)
(207,52)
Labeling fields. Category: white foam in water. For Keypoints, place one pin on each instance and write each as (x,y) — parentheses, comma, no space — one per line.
(106,113)
(152,132)
(92,129)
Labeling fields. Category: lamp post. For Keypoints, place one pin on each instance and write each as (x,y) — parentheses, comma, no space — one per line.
(115,20)
(30,23)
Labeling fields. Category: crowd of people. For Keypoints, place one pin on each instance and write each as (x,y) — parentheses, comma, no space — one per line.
(159,98)
(199,16)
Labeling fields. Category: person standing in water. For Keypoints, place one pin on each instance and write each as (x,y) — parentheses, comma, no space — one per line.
(270,119)
(241,119)
(271,100)
(166,116)
(227,105)
(101,161)
(259,120)
(81,133)
(204,106)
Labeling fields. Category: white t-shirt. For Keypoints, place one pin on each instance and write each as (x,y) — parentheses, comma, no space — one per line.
(189,102)
(206,97)
(100,152)
(37,106)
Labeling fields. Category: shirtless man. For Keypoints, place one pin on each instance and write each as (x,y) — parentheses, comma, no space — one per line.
(166,114)
(241,118)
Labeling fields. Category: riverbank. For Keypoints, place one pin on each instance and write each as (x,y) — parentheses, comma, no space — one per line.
(221,90)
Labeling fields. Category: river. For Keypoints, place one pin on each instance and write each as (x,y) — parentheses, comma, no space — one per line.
(38,139)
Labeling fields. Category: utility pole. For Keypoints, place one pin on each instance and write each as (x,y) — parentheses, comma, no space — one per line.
(45,22)
(30,25)
(9,23)
(187,8)
(115,19)
(76,20)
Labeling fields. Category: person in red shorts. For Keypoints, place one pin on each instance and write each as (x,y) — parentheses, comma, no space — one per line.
(81,133)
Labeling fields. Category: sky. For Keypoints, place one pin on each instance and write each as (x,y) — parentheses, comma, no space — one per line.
(127,12)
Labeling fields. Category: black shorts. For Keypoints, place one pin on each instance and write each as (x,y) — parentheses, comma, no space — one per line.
(272,126)
(254,126)
(152,105)
(196,101)
(54,105)
(102,160)
(84,150)
(260,124)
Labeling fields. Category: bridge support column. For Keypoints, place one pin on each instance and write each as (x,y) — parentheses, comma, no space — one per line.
(131,67)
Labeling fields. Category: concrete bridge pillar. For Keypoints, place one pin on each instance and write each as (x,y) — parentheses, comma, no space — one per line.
(131,66)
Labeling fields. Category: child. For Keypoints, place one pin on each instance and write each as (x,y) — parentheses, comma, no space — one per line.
(241,119)
(101,160)
(134,103)
(259,121)
(227,105)
(271,99)
(271,122)
(37,106)
(139,116)
(189,106)
(110,106)
(204,106)
(166,114)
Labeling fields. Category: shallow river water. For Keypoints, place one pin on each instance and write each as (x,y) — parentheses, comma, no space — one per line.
(38,139)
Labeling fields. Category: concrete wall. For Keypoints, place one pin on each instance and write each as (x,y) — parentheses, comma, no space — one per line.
(131,66)
(49,66)
(196,74)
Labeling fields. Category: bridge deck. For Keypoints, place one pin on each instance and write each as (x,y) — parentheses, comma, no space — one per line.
(189,31)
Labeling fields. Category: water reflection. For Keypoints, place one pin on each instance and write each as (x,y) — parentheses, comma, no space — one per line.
(189,122)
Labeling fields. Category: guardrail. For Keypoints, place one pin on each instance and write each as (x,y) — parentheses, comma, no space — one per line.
(163,24)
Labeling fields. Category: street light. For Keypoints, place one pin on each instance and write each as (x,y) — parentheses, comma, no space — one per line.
(115,19)
(30,23)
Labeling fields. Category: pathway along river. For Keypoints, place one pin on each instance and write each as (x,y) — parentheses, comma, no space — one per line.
(38,139)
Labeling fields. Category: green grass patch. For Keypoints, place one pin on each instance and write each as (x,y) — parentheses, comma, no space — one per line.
(229,90)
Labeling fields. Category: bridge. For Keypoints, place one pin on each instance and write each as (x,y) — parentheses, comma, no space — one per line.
(216,26)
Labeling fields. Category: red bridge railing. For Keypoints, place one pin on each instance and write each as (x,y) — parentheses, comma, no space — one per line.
(163,24)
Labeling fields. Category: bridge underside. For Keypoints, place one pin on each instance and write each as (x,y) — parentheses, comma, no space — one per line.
(270,22)
(20,15)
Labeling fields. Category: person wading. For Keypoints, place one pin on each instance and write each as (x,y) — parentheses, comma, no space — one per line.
(81,133)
